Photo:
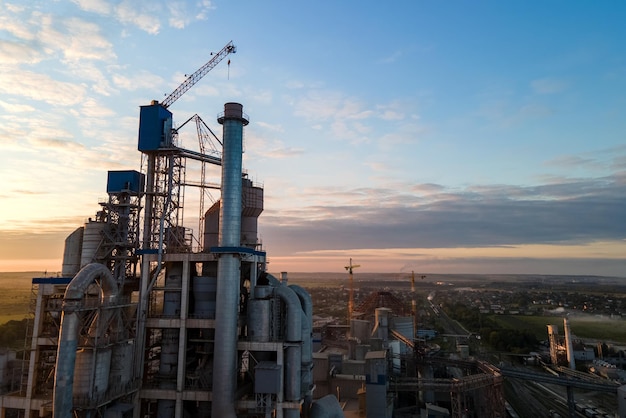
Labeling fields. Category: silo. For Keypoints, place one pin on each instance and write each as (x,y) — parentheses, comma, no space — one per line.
(361,329)
(252,208)
(72,253)
(92,239)
(260,314)
(382,323)
(212,226)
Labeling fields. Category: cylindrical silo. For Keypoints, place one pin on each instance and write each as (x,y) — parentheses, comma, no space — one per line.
(212,226)
(382,323)
(72,253)
(92,239)
(252,208)
(228,274)
(260,314)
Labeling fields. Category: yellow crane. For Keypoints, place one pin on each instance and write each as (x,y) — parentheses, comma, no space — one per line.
(413,303)
(349,267)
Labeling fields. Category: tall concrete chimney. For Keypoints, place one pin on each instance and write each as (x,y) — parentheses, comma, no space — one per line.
(228,274)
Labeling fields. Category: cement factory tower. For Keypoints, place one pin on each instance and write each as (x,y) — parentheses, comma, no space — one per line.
(151,320)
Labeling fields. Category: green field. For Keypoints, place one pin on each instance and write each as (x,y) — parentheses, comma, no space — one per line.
(601,329)
(15,295)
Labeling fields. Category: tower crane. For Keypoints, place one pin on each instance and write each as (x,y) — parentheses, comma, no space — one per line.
(350,267)
(163,166)
(230,48)
(165,169)
(414,303)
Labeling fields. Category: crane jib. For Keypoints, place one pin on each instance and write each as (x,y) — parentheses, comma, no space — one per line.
(201,72)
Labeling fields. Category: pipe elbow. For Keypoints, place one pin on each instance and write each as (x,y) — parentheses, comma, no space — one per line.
(294,317)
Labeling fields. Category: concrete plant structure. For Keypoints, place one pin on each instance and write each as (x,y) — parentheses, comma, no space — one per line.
(150,318)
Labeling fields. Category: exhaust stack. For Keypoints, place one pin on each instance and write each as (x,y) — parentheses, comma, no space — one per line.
(229,239)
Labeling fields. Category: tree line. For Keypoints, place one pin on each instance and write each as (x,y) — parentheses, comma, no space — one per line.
(518,341)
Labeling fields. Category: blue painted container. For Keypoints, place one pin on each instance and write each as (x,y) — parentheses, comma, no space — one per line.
(126,180)
(155,128)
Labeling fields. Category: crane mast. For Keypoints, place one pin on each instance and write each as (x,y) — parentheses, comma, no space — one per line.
(349,267)
(201,72)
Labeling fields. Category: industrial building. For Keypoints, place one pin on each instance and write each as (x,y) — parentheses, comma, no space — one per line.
(154,318)
(378,365)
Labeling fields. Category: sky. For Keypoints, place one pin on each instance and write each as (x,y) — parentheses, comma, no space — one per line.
(429,136)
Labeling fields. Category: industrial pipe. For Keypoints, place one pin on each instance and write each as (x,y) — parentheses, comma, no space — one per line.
(307,344)
(68,335)
(293,340)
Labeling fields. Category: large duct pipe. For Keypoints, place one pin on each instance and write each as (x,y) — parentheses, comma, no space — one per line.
(307,344)
(68,336)
(293,340)
(228,265)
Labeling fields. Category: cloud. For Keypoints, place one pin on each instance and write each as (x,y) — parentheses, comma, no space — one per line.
(19,28)
(16,52)
(83,41)
(179,16)
(271,149)
(571,161)
(548,86)
(142,79)
(270,126)
(575,212)
(93,110)
(392,58)
(139,14)
(16,107)
(54,144)
(102,7)
(147,15)
(427,188)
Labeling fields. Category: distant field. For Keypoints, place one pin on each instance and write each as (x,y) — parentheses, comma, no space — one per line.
(15,295)
(602,329)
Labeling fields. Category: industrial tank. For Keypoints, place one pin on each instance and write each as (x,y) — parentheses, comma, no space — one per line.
(72,253)
(92,238)
(260,315)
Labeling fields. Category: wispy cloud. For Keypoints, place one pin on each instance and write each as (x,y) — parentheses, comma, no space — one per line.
(548,86)
(393,57)
(575,212)
(41,87)
(150,16)
(16,107)
(103,7)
